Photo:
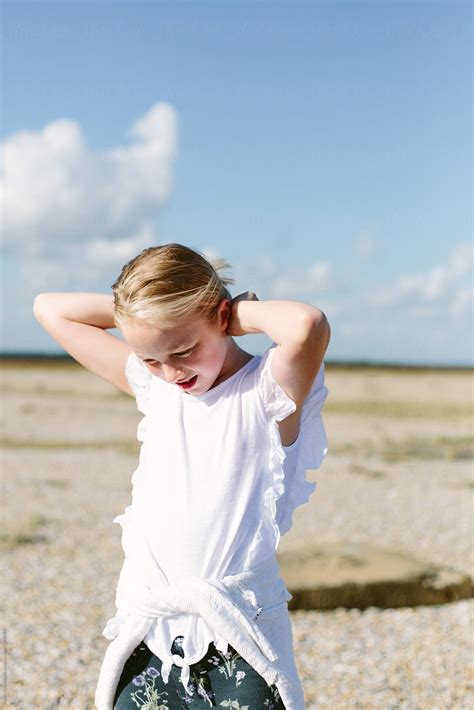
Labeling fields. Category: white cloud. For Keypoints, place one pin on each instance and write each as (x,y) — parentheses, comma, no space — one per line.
(463,302)
(275,281)
(39,275)
(104,251)
(286,286)
(280,282)
(53,187)
(428,287)
(319,274)
(71,215)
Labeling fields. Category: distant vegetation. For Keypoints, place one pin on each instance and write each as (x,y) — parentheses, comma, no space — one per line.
(15,359)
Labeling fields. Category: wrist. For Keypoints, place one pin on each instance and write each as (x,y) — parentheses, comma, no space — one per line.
(247,313)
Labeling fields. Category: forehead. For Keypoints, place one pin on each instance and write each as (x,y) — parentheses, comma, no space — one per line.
(149,341)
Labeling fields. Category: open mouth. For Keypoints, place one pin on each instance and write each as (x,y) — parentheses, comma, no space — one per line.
(187,383)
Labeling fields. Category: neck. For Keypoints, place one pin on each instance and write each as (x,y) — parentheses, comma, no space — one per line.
(235,359)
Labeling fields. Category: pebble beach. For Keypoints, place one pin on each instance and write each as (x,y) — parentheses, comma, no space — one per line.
(398,474)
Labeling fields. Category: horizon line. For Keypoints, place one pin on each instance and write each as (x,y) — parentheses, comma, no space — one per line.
(32,355)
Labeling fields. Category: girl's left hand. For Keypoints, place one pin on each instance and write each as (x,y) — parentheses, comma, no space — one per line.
(234,326)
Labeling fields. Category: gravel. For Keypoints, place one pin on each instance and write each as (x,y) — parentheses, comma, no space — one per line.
(62,554)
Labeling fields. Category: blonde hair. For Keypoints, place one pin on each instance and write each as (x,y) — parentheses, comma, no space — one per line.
(169,285)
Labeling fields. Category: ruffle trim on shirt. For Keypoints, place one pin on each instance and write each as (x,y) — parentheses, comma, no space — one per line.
(311,450)
(311,444)
(278,406)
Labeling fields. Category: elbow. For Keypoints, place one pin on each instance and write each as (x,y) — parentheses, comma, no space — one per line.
(315,321)
(38,306)
(325,328)
(316,327)
(309,327)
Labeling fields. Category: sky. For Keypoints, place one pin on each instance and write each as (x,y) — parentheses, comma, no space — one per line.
(324,149)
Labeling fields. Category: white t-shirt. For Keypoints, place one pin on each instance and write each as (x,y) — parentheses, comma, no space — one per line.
(214,489)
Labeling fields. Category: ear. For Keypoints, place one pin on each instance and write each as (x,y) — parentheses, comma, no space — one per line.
(223,314)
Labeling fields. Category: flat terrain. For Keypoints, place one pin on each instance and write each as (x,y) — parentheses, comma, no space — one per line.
(398,475)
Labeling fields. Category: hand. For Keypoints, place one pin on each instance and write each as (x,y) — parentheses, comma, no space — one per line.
(234,326)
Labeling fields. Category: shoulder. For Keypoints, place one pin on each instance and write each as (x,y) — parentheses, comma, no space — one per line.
(139,378)
(278,403)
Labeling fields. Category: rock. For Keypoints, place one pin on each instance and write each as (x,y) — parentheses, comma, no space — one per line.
(355,575)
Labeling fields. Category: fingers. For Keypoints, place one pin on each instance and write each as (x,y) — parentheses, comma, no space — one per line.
(246,296)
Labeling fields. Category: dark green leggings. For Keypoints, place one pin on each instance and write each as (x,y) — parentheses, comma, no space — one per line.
(218,680)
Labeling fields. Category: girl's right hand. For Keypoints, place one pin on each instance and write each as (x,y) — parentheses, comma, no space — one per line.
(234,327)
(245,296)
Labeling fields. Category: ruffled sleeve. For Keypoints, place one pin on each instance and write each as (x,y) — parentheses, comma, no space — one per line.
(276,402)
(139,379)
(288,487)
(306,453)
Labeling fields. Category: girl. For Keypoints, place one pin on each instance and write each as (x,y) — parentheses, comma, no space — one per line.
(202,612)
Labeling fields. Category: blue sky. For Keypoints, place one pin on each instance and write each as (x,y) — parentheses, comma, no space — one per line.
(323,148)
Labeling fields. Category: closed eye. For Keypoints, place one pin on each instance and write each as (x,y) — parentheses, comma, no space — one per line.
(185,353)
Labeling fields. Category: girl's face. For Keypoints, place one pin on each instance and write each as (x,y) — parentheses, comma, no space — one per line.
(195,350)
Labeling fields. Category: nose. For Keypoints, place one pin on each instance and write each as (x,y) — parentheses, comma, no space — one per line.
(171,373)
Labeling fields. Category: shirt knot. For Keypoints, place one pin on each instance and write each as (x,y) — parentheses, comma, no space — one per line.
(168,661)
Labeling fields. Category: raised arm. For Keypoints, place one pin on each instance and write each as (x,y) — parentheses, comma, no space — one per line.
(78,322)
(302,334)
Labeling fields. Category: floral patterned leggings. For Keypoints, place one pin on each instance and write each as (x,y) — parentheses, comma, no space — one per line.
(218,680)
